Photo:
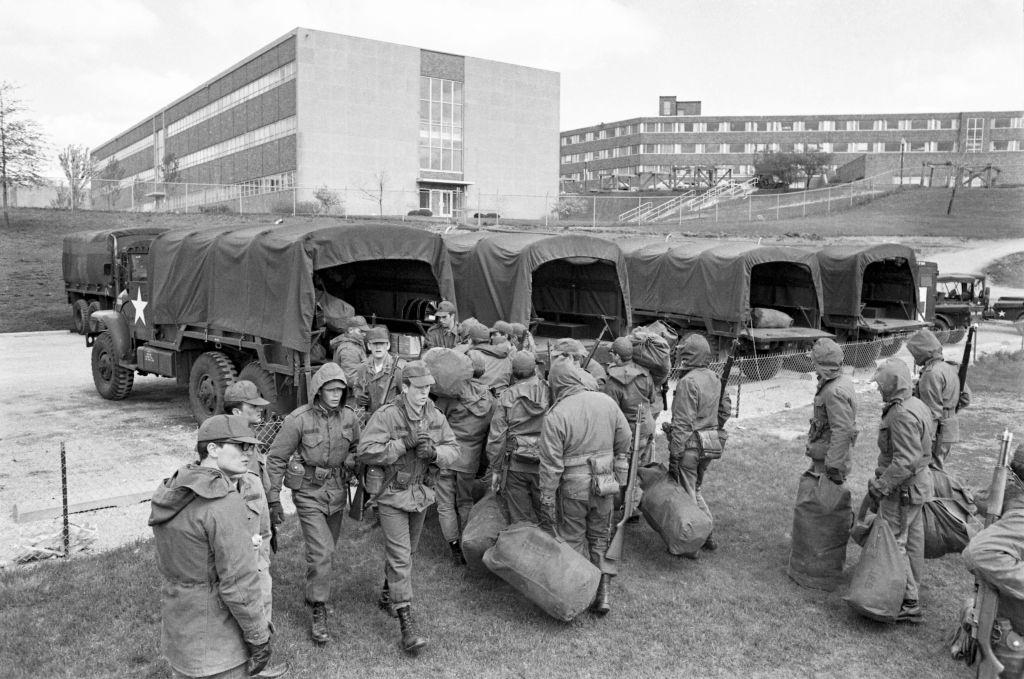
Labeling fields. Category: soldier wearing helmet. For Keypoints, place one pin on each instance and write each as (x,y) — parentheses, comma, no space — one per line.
(379,370)
(315,447)
(495,357)
(833,429)
(938,387)
(630,386)
(573,349)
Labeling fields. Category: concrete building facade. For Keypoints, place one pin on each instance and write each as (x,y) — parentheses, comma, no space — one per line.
(390,127)
(680,143)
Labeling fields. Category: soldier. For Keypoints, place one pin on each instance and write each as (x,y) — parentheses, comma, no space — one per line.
(833,429)
(242,398)
(378,371)
(442,332)
(410,439)
(996,554)
(630,386)
(938,386)
(497,362)
(584,458)
(501,333)
(573,348)
(469,415)
(319,438)
(522,340)
(349,348)
(902,482)
(696,406)
(513,440)
(214,620)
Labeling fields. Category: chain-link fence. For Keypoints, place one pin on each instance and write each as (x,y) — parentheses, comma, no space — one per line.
(725,202)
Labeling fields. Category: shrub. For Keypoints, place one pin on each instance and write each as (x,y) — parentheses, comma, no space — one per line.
(486,215)
(216,209)
(421,212)
(307,207)
(570,206)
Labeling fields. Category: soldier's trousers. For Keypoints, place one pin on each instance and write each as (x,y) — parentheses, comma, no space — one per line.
(689,471)
(907,523)
(522,496)
(585,519)
(454,501)
(402,532)
(320,533)
(939,461)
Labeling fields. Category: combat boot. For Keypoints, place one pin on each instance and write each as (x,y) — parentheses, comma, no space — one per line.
(710,544)
(318,629)
(272,671)
(601,605)
(384,600)
(457,558)
(411,642)
(910,611)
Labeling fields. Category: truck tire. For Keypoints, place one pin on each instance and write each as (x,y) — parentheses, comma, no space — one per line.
(862,354)
(280,404)
(764,367)
(941,330)
(94,326)
(80,316)
(112,381)
(211,374)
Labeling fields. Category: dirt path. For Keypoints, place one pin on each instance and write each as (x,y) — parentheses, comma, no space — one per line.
(974,258)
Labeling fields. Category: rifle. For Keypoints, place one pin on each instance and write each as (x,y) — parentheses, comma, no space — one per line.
(962,372)
(597,343)
(358,502)
(727,369)
(986,598)
(630,500)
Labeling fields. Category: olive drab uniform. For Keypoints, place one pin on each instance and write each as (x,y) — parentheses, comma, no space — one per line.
(696,406)
(373,382)
(582,432)
(469,415)
(321,440)
(902,477)
(497,365)
(408,483)
(250,486)
(439,336)
(630,386)
(938,387)
(833,430)
(513,444)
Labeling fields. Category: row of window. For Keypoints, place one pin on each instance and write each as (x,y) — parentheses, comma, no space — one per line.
(242,94)
(796,147)
(222,192)
(262,135)
(144,143)
(883,124)
(440,143)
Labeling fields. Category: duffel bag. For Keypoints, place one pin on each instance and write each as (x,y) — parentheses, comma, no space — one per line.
(653,352)
(821,529)
(879,579)
(486,520)
(770,318)
(451,370)
(545,570)
(673,513)
(948,527)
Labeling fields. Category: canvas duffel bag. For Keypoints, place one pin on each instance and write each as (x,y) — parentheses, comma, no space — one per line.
(653,352)
(545,570)
(770,318)
(673,513)
(879,579)
(451,370)
(821,529)
(486,520)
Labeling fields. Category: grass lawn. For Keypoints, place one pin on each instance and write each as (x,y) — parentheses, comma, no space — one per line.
(733,613)
(1008,271)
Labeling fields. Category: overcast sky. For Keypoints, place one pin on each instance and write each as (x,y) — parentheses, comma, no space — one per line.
(90,69)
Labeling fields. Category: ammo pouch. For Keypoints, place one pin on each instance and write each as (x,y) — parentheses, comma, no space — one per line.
(708,443)
(1008,647)
(373,480)
(295,473)
(602,477)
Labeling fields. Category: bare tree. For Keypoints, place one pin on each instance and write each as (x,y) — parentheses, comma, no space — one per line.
(78,169)
(22,145)
(327,198)
(380,182)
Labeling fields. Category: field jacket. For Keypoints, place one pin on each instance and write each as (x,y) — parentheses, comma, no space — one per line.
(996,554)
(904,441)
(833,430)
(516,424)
(469,416)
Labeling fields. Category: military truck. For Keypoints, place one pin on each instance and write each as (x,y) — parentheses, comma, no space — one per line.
(94,269)
(209,306)
(961,299)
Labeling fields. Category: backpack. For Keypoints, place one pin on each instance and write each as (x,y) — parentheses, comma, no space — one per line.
(653,352)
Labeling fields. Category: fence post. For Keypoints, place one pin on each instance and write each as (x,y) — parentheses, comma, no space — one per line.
(593,204)
(778,203)
(750,208)
(65,534)
(186,197)
(851,194)
(828,201)
(295,191)
(239,200)
(716,211)
(547,208)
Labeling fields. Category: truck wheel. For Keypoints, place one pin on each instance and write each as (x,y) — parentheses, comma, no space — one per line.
(891,346)
(80,316)
(280,404)
(764,367)
(94,326)
(941,331)
(957,334)
(862,354)
(211,374)
(112,381)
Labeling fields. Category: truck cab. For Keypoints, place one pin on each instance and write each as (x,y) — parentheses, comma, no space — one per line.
(960,300)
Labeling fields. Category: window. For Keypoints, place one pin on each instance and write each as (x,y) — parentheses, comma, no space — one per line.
(999,123)
(811,125)
(919,124)
(785,126)
(944,146)
(828,125)
(890,147)
(1000,146)
(947,124)
(757,126)
(917,146)
(891,124)
(257,137)
(589,136)
(603,134)
(441,124)
(725,126)
(565,141)
(858,147)
(840,146)
(687,148)
(734,148)
(712,148)
(975,134)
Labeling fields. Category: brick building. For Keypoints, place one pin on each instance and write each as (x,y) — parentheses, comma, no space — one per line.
(373,120)
(681,145)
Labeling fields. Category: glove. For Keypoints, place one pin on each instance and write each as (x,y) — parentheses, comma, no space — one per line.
(350,463)
(874,490)
(259,656)
(835,475)
(363,400)
(667,428)
(620,467)
(273,537)
(548,516)
(426,450)
(276,513)
(410,440)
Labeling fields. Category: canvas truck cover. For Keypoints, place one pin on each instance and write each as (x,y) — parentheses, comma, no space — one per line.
(842,275)
(494,271)
(86,252)
(710,280)
(259,280)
